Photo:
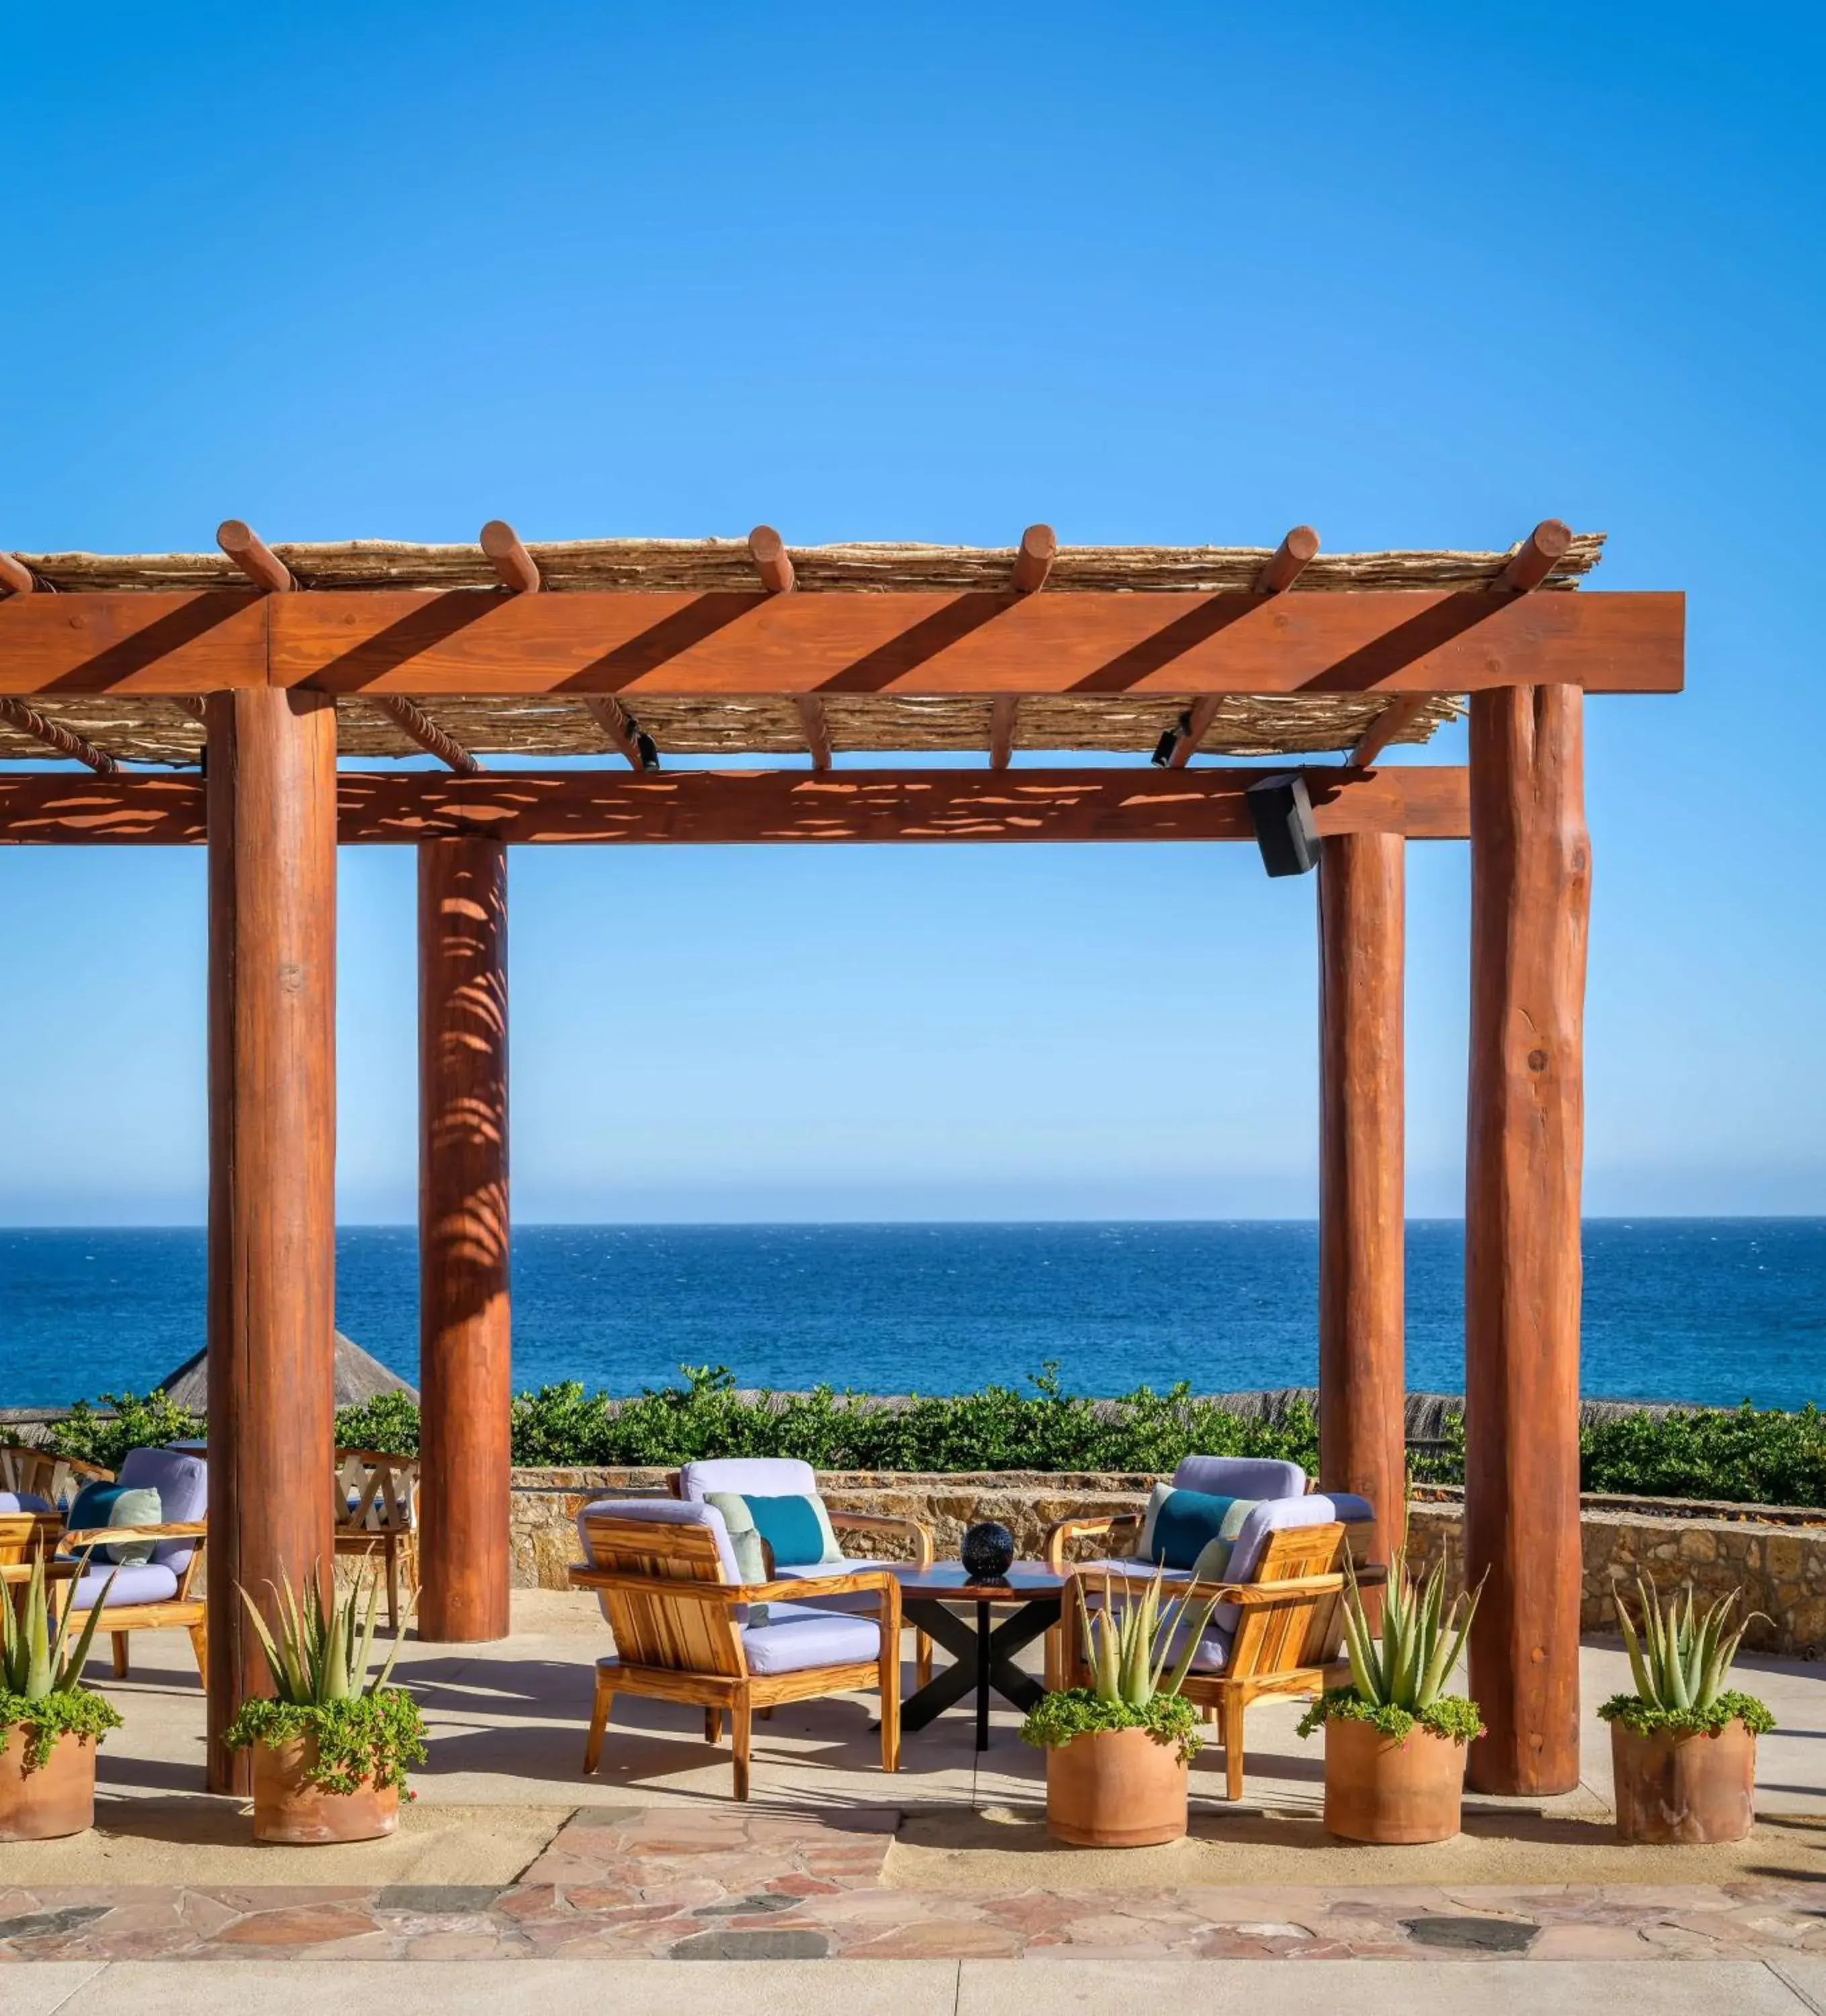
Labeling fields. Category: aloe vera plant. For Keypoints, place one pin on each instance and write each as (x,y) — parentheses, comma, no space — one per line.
(1398,1675)
(41,1670)
(319,1654)
(1680,1659)
(1140,1649)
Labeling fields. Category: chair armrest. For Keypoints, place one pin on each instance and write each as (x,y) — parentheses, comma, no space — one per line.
(584,1576)
(888,1522)
(107,1536)
(1256,1595)
(1087,1526)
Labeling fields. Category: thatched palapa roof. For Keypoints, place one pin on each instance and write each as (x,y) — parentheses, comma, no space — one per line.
(359,1377)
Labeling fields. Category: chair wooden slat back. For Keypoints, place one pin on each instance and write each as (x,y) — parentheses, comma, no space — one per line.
(24,1469)
(651,1628)
(375,1492)
(22,1534)
(1303,1630)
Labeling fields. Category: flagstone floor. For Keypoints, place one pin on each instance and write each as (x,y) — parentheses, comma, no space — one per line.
(514,1856)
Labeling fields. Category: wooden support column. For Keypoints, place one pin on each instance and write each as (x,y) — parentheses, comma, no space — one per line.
(271,1329)
(465,1371)
(1531,902)
(1362,1215)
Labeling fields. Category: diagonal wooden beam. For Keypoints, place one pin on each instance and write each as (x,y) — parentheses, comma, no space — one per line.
(1033,558)
(16,576)
(31,723)
(1287,562)
(623,730)
(415,722)
(811,710)
(1529,565)
(772,562)
(508,558)
(252,555)
(1003,710)
(1194,725)
(1535,559)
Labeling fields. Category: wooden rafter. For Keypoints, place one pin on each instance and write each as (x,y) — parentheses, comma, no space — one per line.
(413,723)
(1033,558)
(255,559)
(508,558)
(1536,558)
(1532,561)
(622,643)
(747,807)
(772,562)
(1288,562)
(16,576)
(1193,730)
(30,721)
(817,733)
(640,751)
(1004,710)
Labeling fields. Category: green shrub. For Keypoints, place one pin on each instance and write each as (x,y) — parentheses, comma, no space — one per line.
(388,1423)
(137,1421)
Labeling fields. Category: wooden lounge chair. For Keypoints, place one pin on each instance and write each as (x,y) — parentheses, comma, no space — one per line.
(377,1513)
(157,1595)
(1277,1627)
(33,1479)
(666,1575)
(779,1476)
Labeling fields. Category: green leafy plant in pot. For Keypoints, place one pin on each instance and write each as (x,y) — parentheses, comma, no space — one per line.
(1116,1751)
(1394,1738)
(332,1746)
(51,1725)
(1684,1745)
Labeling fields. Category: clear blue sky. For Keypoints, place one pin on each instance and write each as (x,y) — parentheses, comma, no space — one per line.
(1418,276)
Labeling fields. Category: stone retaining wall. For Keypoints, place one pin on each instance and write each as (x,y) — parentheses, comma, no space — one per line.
(1778,1560)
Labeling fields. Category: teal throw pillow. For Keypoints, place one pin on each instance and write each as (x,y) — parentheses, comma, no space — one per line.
(796,1529)
(1193,1531)
(116,1505)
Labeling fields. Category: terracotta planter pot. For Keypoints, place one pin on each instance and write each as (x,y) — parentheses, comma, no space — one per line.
(1114,1788)
(1378,1790)
(57,1798)
(289,1810)
(1681,1788)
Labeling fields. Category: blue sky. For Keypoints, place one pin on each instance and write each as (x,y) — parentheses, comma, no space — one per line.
(1417,275)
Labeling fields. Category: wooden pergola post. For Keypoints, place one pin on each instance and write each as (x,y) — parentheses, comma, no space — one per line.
(1530,904)
(465,1369)
(1362,1216)
(271,1308)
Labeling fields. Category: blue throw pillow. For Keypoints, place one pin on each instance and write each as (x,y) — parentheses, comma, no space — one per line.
(100,1504)
(1184,1523)
(790,1526)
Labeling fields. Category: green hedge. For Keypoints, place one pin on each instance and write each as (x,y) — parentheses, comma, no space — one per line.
(1745,1456)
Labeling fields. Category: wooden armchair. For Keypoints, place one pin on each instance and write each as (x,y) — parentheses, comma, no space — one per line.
(1278,1628)
(665,1576)
(27,1470)
(377,1513)
(787,1476)
(159,1594)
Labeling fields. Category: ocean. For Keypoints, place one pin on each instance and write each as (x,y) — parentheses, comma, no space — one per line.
(1711,1310)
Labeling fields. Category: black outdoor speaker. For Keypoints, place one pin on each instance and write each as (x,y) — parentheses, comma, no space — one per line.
(1283,816)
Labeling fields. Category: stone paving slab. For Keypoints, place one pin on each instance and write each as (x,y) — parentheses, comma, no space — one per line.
(715,1885)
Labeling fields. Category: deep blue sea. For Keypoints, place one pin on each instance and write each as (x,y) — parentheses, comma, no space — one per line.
(1717,1310)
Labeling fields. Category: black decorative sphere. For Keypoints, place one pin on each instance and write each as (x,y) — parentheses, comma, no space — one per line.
(987,1551)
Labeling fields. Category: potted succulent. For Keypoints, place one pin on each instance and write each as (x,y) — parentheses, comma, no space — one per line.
(51,1726)
(332,1748)
(1684,1745)
(1116,1751)
(1394,1738)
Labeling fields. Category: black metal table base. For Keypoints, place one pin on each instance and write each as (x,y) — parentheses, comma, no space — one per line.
(982,1658)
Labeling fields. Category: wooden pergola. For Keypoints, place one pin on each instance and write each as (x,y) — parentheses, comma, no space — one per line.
(258,666)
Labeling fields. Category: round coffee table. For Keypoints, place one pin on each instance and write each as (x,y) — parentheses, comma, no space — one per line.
(982,1654)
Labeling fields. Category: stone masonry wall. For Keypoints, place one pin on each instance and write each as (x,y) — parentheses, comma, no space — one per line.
(1780,1565)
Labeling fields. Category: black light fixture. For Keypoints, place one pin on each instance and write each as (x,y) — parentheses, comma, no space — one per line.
(1169,740)
(648,751)
(1282,814)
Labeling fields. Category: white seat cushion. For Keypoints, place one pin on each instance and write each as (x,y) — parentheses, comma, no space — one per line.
(153,1582)
(795,1637)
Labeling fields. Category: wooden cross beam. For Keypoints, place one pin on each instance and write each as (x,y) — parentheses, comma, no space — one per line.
(413,721)
(751,807)
(30,721)
(639,750)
